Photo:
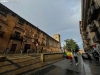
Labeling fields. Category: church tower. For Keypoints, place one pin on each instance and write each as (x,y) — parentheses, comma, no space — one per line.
(57,37)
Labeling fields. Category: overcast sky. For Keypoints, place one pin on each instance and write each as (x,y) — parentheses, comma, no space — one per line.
(52,16)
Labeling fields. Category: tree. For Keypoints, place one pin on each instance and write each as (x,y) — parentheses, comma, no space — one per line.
(71,44)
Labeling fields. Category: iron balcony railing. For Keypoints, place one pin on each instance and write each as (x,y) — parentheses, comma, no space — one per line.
(95,10)
(17,37)
(96,39)
(92,27)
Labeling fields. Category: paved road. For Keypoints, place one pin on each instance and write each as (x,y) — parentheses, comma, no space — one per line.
(64,68)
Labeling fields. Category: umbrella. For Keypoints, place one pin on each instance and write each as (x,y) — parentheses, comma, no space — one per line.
(68,55)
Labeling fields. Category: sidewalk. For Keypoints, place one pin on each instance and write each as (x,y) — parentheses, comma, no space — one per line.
(18,56)
(91,68)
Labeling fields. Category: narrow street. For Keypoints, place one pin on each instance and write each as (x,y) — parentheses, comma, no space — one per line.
(65,68)
(29,65)
(85,67)
(35,35)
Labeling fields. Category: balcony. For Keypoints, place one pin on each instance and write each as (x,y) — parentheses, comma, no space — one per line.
(87,38)
(89,20)
(95,10)
(19,27)
(42,44)
(36,36)
(86,42)
(93,28)
(20,38)
(35,41)
(1,33)
(95,39)
(28,35)
(89,17)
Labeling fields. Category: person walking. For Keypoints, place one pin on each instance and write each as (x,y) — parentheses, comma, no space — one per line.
(7,50)
(28,50)
(96,56)
(75,57)
(69,56)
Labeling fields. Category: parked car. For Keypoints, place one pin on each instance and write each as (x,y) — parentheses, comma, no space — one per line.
(89,56)
(86,56)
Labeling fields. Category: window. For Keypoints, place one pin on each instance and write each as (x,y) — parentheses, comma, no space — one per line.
(21,22)
(17,34)
(47,42)
(13,15)
(0,27)
(3,12)
(43,44)
(27,23)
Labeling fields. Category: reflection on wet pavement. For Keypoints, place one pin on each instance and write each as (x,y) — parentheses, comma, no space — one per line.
(91,67)
(64,68)
(71,72)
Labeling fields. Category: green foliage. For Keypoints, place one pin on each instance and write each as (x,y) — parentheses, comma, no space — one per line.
(70,44)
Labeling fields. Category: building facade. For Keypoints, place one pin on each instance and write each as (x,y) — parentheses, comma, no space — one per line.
(57,38)
(18,35)
(90,24)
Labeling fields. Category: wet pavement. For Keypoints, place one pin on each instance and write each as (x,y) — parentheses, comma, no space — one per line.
(65,68)
(91,67)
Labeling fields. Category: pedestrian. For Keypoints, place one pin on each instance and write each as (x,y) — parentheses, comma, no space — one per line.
(71,58)
(75,57)
(28,50)
(68,55)
(93,49)
(98,46)
(7,50)
(96,56)
(64,54)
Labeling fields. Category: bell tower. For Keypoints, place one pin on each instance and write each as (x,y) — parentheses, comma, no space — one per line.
(56,37)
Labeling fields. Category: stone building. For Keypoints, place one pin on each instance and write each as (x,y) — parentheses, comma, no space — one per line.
(57,37)
(90,23)
(18,35)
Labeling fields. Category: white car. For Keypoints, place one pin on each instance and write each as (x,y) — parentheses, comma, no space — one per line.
(84,56)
